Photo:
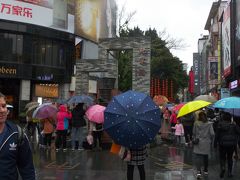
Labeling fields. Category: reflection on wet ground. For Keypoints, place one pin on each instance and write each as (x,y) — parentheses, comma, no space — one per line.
(165,162)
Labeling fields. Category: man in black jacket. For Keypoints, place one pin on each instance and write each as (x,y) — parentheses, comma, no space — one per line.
(226,138)
(15,155)
(78,122)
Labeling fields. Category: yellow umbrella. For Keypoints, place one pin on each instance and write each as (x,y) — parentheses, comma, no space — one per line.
(192,106)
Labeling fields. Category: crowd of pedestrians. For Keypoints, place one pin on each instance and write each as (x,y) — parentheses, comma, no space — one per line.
(69,123)
(203,131)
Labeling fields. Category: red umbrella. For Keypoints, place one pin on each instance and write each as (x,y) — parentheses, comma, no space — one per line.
(178,107)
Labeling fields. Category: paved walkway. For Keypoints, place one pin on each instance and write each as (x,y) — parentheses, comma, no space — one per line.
(165,162)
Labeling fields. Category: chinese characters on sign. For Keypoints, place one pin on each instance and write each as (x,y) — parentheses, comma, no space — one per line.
(15,10)
(143,53)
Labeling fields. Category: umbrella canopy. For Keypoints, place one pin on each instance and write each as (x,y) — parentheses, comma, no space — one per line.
(228,103)
(160,100)
(132,119)
(44,111)
(178,107)
(192,106)
(30,110)
(61,101)
(95,113)
(81,99)
(31,104)
(207,98)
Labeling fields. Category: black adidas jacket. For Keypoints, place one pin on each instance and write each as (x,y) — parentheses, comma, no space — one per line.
(15,157)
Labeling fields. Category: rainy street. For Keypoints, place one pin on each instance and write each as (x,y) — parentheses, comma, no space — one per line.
(165,162)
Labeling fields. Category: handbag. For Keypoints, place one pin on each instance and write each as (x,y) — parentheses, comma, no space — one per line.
(195,141)
(124,154)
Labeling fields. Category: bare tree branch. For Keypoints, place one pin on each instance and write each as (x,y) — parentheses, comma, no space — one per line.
(172,43)
(123,19)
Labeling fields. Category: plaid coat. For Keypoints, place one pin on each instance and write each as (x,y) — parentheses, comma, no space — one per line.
(138,156)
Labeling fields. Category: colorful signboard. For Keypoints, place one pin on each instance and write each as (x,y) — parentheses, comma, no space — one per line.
(213,70)
(226,42)
(56,14)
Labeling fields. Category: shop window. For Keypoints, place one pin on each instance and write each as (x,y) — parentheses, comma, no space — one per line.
(55,54)
(19,47)
(27,49)
(39,51)
(49,49)
(8,47)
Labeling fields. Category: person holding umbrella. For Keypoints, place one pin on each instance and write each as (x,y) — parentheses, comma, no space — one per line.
(95,115)
(78,122)
(226,139)
(138,157)
(132,120)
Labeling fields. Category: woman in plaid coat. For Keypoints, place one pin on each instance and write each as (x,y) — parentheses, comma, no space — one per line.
(138,157)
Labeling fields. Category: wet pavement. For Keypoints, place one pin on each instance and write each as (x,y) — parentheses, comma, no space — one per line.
(165,162)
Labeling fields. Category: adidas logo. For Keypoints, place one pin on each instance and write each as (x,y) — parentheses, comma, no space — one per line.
(13,146)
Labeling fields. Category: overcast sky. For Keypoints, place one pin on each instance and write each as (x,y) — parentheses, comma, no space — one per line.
(182,19)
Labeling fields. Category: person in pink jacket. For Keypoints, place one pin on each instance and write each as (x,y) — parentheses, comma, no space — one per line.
(179,131)
(63,117)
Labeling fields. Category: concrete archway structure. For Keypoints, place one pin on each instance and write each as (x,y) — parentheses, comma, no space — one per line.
(141,48)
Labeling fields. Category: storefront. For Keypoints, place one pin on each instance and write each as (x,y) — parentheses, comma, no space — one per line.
(32,57)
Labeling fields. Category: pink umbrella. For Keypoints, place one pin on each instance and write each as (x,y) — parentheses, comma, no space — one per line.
(95,113)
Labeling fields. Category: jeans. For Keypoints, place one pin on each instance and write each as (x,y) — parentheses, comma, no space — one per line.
(77,135)
(202,159)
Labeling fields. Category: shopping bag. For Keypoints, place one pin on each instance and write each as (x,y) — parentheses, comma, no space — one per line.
(90,139)
(115,148)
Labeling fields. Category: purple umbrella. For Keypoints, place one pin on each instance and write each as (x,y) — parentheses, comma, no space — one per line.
(45,110)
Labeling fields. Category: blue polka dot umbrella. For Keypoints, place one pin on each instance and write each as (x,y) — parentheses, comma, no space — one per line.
(132,119)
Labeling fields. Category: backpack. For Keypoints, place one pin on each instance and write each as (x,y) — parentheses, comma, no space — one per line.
(20,135)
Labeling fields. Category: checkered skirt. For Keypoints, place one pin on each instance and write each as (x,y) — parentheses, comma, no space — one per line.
(138,156)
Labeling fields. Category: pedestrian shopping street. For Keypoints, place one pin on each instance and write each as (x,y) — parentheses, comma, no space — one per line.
(165,162)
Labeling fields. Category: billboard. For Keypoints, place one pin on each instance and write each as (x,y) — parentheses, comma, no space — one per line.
(197,70)
(226,42)
(56,14)
(237,32)
(95,19)
(213,70)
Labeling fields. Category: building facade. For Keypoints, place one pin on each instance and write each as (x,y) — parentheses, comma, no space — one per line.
(40,41)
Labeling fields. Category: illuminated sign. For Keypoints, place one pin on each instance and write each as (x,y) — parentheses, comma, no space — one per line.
(46,90)
(45,77)
(234,84)
(7,70)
